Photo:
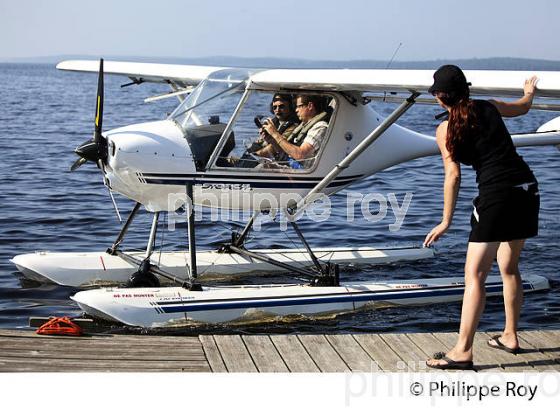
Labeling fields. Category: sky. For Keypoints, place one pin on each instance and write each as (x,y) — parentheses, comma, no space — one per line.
(314,30)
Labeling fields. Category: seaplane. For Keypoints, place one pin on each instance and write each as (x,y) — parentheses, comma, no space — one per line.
(201,155)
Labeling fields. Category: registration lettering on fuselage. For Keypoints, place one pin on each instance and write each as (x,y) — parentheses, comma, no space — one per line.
(227,187)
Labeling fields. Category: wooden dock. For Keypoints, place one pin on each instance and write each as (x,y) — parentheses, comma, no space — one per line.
(25,351)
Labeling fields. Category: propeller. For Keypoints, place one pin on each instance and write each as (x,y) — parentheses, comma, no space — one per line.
(94,149)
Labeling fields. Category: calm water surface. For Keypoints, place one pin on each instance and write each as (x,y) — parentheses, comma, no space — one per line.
(46,114)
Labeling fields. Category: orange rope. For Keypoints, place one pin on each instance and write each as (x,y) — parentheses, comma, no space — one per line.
(60,326)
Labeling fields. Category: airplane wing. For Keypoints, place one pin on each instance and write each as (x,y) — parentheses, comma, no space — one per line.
(183,75)
(499,83)
(484,82)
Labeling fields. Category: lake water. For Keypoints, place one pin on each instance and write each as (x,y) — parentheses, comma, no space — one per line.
(46,114)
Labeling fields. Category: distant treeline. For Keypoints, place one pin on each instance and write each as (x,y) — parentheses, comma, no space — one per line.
(497,63)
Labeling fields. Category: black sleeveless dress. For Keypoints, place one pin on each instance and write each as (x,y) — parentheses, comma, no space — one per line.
(507,207)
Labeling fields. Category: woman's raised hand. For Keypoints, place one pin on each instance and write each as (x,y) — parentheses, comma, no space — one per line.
(530,86)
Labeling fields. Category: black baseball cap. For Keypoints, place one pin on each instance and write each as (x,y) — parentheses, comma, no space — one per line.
(449,78)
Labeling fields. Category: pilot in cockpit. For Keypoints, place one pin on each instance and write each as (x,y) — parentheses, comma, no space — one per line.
(305,140)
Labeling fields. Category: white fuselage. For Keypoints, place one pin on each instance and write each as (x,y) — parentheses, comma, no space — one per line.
(151,163)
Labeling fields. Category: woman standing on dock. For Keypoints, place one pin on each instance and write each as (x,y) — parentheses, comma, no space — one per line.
(505,211)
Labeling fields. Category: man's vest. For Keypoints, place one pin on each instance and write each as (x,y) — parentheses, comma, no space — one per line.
(300,132)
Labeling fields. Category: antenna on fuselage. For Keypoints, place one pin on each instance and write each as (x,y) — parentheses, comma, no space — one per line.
(389,64)
(393,57)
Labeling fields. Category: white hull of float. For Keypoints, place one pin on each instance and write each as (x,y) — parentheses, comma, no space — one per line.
(99,268)
(166,307)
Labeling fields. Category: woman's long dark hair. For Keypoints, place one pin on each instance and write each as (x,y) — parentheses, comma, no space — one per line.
(462,119)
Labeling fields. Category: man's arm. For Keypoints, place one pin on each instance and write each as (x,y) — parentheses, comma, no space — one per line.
(304,151)
(267,151)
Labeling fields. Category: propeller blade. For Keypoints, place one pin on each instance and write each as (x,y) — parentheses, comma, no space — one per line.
(95,149)
(79,162)
(99,104)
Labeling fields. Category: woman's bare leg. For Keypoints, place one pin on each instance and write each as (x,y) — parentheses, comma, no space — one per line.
(480,257)
(508,261)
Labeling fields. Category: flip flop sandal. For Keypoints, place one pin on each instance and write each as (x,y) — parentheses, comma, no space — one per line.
(500,346)
(450,363)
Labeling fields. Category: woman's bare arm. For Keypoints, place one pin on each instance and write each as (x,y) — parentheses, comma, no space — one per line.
(521,106)
(451,186)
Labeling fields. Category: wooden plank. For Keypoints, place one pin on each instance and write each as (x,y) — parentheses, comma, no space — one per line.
(96,355)
(542,343)
(264,354)
(28,368)
(428,343)
(412,358)
(41,364)
(383,356)
(447,339)
(323,354)
(102,347)
(212,353)
(147,340)
(234,353)
(108,347)
(67,341)
(351,352)
(509,362)
(553,336)
(551,346)
(293,353)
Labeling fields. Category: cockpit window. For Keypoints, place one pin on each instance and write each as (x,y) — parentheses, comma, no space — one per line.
(299,123)
(203,116)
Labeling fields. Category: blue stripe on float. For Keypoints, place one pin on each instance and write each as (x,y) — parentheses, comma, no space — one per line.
(306,300)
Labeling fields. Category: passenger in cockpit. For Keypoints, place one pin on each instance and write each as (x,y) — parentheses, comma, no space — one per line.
(305,140)
(285,121)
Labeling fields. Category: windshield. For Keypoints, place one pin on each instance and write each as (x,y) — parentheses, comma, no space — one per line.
(203,116)
(305,134)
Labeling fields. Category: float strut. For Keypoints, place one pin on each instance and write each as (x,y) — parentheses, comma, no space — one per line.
(240,239)
(153,233)
(113,249)
(144,277)
(190,223)
(152,268)
(308,248)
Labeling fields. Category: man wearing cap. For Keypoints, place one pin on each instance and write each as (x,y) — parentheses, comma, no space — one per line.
(285,121)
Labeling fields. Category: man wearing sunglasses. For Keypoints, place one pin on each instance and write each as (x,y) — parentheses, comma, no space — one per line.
(305,140)
(285,121)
